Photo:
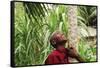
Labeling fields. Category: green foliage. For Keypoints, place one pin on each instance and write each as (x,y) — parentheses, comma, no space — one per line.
(87,51)
(34,23)
(87,14)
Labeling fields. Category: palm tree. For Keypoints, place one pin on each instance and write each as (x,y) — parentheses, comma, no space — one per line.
(73,34)
(72,19)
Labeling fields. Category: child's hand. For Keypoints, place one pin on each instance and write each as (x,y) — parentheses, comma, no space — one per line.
(72,52)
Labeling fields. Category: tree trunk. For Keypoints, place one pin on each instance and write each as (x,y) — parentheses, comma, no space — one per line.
(72,34)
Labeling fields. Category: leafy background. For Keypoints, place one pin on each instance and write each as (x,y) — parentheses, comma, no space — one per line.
(35,22)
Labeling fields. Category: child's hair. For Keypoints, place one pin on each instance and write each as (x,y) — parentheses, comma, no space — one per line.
(57,37)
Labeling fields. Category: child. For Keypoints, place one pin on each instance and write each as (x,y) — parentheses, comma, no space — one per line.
(60,54)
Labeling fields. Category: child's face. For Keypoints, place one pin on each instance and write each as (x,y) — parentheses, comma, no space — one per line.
(61,47)
(62,43)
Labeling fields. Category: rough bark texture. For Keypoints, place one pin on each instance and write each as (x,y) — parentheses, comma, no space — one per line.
(73,34)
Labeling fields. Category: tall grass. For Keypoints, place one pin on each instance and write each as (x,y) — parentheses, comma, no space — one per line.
(33,29)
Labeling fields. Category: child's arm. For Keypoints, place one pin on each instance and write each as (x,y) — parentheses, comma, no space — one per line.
(74,54)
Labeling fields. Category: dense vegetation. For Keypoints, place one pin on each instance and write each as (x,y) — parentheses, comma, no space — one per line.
(35,22)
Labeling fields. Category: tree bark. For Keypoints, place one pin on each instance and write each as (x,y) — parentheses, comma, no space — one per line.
(72,33)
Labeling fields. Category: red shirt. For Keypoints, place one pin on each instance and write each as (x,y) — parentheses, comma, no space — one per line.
(57,57)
